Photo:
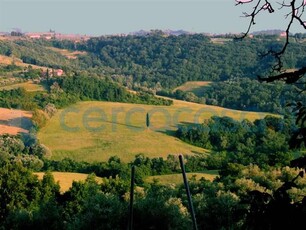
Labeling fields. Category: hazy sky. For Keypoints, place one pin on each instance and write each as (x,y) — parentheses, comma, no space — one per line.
(98,17)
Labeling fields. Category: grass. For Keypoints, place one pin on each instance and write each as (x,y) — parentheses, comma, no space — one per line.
(196,87)
(220,41)
(95,131)
(28,86)
(177,179)
(66,179)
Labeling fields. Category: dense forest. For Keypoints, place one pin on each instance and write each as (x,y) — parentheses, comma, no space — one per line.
(264,142)
(173,60)
(243,94)
(159,59)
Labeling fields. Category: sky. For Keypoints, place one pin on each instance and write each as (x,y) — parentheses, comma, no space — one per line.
(101,17)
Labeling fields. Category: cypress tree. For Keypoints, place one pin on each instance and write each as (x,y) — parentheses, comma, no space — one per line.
(148,120)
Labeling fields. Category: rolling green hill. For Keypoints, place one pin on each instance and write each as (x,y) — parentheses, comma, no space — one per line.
(95,131)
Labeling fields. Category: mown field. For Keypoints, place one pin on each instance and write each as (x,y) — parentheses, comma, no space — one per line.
(14,121)
(95,131)
(65,179)
(196,87)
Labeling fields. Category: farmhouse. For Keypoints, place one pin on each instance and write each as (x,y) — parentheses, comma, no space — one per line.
(58,72)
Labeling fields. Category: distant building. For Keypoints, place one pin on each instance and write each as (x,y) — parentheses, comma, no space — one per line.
(47,35)
(34,36)
(58,72)
(53,73)
(52,34)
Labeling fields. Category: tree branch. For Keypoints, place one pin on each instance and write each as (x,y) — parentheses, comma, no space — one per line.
(288,77)
(296,11)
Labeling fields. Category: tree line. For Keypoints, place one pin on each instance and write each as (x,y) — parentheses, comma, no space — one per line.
(262,142)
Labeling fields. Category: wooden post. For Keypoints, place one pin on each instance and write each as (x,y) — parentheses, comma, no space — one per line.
(191,209)
(130,224)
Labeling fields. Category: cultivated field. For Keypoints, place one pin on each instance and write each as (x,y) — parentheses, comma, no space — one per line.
(196,87)
(65,179)
(95,131)
(68,54)
(14,121)
(178,178)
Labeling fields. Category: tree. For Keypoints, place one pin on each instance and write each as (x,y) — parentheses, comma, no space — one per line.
(148,120)
(19,189)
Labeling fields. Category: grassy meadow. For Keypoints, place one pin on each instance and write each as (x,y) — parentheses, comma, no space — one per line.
(178,178)
(196,87)
(68,54)
(95,131)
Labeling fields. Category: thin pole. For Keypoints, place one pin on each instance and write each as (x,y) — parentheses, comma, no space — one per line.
(191,209)
(130,224)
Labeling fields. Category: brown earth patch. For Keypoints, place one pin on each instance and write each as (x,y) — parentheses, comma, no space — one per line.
(14,121)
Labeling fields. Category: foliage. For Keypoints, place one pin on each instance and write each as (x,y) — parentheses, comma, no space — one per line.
(39,119)
(31,73)
(90,88)
(21,192)
(28,152)
(262,142)
(226,202)
(34,53)
(173,60)
(17,98)
(250,95)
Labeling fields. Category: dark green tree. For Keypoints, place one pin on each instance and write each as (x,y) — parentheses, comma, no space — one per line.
(148,120)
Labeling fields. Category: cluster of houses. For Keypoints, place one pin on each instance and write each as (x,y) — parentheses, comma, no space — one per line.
(46,35)
(53,35)
(43,74)
(57,72)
